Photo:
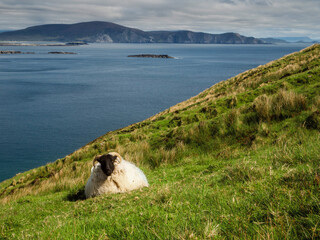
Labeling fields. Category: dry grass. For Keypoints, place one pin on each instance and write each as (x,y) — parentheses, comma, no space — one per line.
(263,106)
(280,105)
(66,178)
(135,152)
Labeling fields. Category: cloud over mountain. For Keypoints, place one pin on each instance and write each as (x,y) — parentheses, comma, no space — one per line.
(249,17)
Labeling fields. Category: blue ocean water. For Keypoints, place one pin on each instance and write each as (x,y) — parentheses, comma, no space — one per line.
(51,105)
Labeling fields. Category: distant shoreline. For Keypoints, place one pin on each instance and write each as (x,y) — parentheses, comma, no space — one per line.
(9,52)
(70,44)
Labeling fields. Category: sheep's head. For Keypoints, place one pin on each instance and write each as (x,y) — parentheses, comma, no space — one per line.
(108,162)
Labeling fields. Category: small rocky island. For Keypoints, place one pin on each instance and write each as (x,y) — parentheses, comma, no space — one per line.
(15,52)
(151,56)
(61,53)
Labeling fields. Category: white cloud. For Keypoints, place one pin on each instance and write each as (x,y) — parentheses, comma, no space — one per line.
(249,17)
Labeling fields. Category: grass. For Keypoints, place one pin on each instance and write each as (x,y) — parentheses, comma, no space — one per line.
(238,161)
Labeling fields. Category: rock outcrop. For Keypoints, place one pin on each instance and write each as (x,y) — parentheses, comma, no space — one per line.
(151,56)
(15,52)
(61,53)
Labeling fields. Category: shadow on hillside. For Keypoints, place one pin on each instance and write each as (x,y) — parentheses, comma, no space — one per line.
(77,195)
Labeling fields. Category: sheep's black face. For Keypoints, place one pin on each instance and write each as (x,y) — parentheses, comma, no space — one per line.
(107,164)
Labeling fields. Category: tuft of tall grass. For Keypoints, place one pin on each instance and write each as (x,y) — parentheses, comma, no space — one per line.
(263,106)
(279,106)
(287,102)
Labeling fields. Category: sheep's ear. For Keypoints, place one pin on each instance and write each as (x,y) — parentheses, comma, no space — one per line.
(107,165)
(114,158)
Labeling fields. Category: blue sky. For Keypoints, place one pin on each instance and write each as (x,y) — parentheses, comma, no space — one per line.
(259,18)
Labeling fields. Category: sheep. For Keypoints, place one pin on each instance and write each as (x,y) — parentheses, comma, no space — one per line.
(112,174)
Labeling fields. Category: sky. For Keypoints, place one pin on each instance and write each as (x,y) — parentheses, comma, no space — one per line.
(258,18)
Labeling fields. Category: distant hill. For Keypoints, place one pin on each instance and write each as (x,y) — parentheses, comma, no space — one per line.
(273,40)
(111,32)
(297,39)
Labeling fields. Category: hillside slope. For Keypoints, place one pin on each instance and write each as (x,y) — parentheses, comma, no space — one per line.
(239,160)
(110,32)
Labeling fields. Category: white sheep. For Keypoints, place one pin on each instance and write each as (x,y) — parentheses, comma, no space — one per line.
(112,174)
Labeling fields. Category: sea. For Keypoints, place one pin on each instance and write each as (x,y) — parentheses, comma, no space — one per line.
(53,104)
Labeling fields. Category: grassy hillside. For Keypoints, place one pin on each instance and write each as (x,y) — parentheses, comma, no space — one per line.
(240,160)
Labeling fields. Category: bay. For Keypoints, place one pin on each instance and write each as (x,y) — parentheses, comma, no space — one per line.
(52,104)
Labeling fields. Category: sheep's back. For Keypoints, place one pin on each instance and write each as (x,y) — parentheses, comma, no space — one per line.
(132,176)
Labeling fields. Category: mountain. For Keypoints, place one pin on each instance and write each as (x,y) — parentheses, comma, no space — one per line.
(238,161)
(111,32)
(88,31)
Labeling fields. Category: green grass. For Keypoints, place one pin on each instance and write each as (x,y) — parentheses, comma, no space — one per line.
(197,198)
(239,161)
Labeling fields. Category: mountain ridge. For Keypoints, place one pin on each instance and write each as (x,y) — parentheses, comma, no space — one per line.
(98,31)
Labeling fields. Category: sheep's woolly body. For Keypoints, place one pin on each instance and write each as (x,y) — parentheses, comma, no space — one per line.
(125,177)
